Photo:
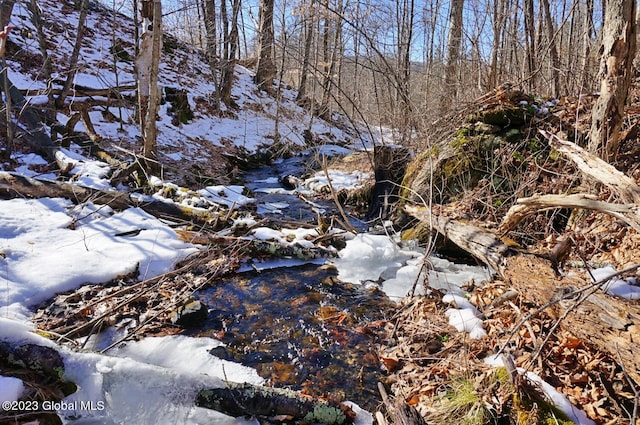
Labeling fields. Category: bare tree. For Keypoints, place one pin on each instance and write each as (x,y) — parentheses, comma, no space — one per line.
(266,69)
(230,49)
(73,60)
(308,39)
(453,52)
(6,9)
(148,64)
(617,52)
(211,38)
(553,50)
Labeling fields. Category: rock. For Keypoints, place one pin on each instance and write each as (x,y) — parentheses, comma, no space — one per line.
(288,181)
(190,314)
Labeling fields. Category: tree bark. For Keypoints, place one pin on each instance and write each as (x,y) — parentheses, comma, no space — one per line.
(211,38)
(150,129)
(553,49)
(266,69)
(6,9)
(530,41)
(310,25)
(617,52)
(267,403)
(229,55)
(585,80)
(453,53)
(390,164)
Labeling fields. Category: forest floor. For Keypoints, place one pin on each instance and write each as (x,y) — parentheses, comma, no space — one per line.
(445,374)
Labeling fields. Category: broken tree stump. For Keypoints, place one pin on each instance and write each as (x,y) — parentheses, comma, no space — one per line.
(390,164)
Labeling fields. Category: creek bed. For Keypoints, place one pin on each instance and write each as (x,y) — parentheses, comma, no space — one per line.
(301,328)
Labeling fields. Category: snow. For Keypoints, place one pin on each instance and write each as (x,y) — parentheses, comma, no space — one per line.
(87,173)
(370,258)
(47,250)
(230,196)
(367,256)
(555,397)
(625,288)
(10,388)
(340,180)
(151,381)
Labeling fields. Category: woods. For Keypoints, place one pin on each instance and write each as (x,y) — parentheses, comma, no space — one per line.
(201,141)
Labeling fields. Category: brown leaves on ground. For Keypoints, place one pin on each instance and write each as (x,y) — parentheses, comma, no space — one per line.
(428,357)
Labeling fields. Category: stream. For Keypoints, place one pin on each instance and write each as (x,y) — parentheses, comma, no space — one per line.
(299,326)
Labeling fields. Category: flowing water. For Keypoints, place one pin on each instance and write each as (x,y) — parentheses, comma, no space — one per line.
(301,328)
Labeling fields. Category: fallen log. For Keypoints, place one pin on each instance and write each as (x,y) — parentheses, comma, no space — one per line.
(628,213)
(82,91)
(597,169)
(592,167)
(610,324)
(14,185)
(257,247)
(483,245)
(273,404)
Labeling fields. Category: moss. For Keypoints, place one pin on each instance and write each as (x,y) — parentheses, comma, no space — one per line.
(323,413)
(420,232)
(511,116)
(534,409)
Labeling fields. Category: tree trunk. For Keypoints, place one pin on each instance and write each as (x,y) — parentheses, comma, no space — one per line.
(309,25)
(148,64)
(405,14)
(585,83)
(453,53)
(210,28)
(553,50)
(47,67)
(229,55)
(73,60)
(6,8)
(530,39)
(390,163)
(617,52)
(266,69)
(14,185)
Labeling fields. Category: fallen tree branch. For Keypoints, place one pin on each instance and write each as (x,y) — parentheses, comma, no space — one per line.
(256,247)
(273,403)
(13,185)
(597,169)
(525,207)
(483,245)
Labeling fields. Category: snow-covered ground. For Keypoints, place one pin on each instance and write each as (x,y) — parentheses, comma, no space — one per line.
(48,246)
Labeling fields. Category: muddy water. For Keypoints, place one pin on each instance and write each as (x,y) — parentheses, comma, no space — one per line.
(301,328)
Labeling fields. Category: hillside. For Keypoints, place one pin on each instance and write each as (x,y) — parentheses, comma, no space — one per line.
(189,149)
(270,250)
